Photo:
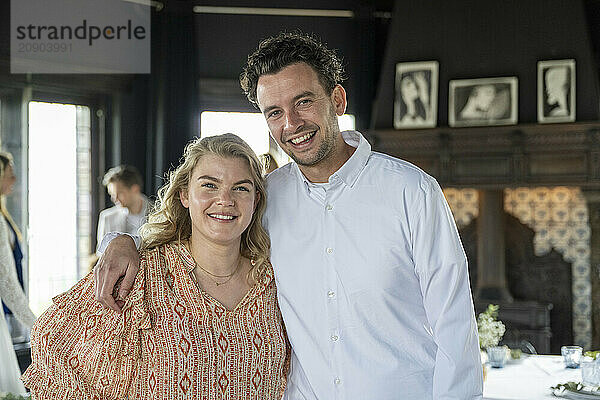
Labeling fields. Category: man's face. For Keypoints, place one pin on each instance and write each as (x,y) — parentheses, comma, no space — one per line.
(122,195)
(301,115)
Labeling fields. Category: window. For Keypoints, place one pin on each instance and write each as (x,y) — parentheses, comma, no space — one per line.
(59,199)
(252,127)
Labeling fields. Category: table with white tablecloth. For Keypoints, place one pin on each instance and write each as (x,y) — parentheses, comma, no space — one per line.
(528,379)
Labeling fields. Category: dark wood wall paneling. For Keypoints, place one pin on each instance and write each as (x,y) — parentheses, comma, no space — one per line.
(196,61)
(224,42)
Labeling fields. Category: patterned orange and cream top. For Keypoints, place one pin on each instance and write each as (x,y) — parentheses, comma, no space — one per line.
(171,341)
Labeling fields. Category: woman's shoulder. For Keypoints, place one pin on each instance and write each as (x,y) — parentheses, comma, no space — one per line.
(165,255)
(163,250)
(265,276)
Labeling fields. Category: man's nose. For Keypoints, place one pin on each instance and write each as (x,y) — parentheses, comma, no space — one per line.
(292,122)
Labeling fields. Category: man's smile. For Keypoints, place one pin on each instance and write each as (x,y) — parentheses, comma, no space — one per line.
(302,140)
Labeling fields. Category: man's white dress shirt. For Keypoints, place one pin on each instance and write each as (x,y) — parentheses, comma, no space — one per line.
(119,219)
(372,283)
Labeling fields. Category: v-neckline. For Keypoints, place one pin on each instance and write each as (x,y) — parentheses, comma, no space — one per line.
(211,298)
(190,264)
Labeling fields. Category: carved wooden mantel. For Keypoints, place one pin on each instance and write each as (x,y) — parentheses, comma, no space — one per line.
(501,156)
(493,158)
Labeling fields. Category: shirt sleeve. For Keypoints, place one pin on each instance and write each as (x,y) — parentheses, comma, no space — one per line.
(103,244)
(441,265)
(10,289)
(101,233)
(81,350)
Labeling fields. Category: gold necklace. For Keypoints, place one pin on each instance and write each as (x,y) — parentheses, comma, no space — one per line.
(229,276)
(211,275)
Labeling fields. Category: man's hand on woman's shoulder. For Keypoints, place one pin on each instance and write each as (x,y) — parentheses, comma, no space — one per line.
(120,260)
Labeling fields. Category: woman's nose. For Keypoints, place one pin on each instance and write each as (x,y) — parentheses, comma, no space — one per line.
(225,199)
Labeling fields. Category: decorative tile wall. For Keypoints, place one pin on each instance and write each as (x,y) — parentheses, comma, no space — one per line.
(559,218)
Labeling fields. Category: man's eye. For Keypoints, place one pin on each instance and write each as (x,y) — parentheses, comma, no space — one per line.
(304,102)
(273,114)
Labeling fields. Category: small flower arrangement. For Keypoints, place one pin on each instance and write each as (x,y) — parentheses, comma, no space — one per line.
(490,329)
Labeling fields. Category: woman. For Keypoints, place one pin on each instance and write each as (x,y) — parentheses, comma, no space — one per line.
(414,99)
(11,292)
(202,320)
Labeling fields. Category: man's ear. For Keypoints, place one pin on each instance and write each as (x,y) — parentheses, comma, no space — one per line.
(183,197)
(338,97)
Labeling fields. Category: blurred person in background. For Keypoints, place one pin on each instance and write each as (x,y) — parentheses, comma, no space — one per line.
(11,290)
(124,184)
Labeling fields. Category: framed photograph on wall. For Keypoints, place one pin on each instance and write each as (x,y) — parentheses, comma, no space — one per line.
(556,91)
(415,104)
(482,102)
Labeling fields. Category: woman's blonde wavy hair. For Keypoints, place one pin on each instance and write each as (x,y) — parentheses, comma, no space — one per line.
(170,221)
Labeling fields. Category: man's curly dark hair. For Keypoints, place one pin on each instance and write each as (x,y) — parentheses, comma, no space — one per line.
(277,52)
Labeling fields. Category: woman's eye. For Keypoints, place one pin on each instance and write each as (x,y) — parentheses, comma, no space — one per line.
(209,185)
(241,189)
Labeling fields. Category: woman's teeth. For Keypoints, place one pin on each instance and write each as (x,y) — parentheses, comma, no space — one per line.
(220,216)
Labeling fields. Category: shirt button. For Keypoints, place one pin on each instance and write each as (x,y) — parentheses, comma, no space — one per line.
(337,381)
(334,338)
(329,250)
(329,207)
(331,294)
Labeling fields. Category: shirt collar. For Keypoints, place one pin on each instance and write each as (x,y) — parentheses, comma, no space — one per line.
(348,173)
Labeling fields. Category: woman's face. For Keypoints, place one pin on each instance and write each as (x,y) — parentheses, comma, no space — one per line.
(221,199)
(408,88)
(8,180)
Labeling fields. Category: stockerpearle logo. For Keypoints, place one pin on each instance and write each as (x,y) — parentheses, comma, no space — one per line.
(80,36)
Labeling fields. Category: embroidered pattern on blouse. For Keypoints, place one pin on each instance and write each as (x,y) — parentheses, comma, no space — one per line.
(170,342)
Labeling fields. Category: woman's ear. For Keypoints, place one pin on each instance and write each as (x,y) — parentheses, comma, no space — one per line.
(183,197)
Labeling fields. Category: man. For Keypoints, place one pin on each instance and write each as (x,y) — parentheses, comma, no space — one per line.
(371,275)
(124,184)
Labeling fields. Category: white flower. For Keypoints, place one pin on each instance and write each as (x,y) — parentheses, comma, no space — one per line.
(490,330)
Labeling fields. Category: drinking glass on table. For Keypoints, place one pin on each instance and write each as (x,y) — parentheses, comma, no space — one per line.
(571,356)
(590,373)
(497,356)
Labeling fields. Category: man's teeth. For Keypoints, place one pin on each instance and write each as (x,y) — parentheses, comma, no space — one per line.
(302,138)
(219,216)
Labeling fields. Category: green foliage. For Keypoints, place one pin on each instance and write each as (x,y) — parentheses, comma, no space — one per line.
(10,396)
(571,386)
(592,354)
(515,354)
